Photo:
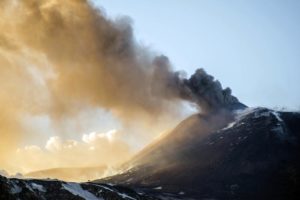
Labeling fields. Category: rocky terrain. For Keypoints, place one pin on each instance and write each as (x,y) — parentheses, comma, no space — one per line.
(251,154)
(34,189)
(255,156)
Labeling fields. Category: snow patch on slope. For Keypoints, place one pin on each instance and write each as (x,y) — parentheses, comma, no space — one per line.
(258,112)
(76,189)
(38,187)
(230,125)
(15,189)
(277,115)
(280,127)
(123,195)
(240,115)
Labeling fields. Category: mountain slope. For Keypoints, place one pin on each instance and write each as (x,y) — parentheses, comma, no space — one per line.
(69,174)
(255,156)
(33,189)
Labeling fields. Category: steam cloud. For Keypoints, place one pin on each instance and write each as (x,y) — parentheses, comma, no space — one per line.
(58,57)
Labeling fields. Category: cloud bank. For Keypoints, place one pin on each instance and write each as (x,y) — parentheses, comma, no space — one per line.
(60,58)
(91,150)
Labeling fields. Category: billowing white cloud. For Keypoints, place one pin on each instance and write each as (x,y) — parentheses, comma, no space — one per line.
(93,149)
(55,143)
(94,136)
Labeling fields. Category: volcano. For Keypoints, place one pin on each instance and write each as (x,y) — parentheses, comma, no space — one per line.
(251,153)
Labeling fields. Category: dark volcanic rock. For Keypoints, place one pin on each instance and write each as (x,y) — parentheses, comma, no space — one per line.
(14,189)
(256,156)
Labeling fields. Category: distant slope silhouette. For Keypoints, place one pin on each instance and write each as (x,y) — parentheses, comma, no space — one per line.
(70,173)
(255,156)
(251,155)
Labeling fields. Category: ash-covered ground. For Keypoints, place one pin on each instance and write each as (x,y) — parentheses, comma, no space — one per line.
(253,155)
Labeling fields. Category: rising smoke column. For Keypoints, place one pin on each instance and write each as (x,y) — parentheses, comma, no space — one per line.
(208,93)
(59,57)
(201,88)
(97,61)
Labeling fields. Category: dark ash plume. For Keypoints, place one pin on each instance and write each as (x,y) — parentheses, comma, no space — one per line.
(208,93)
(96,61)
(201,88)
(59,57)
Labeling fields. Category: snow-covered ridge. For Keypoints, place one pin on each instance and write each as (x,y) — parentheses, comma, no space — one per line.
(77,190)
(15,188)
(258,112)
(43,189)
(38,187)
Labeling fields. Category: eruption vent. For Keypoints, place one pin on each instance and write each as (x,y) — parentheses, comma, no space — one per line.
(201,88)
(58,58)
(209,94)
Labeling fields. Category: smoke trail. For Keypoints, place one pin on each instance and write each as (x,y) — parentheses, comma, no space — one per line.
(59,57)
(201,88)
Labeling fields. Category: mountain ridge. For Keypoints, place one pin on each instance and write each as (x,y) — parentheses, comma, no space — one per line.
(247,145)
(68,173)
(251,154)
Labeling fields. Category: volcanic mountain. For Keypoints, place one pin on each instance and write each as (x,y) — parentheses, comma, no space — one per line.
(251,153)
(254,156)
